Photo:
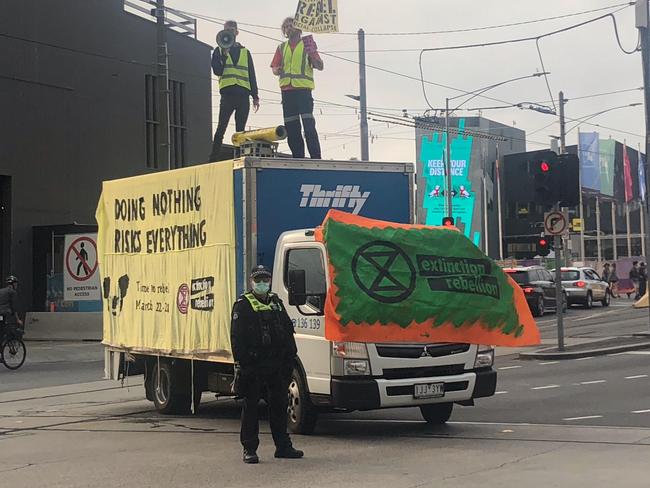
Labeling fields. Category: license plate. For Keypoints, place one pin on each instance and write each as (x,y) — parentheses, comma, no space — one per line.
(429,390)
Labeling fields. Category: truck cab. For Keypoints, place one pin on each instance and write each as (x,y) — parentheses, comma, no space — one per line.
(351,376)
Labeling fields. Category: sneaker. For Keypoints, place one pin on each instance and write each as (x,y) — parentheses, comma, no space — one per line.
(250,457)
(288,453)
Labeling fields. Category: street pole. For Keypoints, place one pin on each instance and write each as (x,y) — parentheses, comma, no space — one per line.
(449,190)
(559,294)
(162,85)
(365,156)
(643,23)
(498,163)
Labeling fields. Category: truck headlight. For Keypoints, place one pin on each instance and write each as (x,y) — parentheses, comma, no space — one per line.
(349,350)
(484,358)
(356,367)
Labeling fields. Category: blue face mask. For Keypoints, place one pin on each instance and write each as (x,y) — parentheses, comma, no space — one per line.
(262,287)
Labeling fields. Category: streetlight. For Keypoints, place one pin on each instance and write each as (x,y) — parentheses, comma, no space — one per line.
(447,153)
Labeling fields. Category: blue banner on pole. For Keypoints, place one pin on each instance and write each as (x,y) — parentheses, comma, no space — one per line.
(589,160)
(642,176)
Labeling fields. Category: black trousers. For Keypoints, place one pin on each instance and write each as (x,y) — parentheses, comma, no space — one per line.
(238,103)
(298,105)
(276,386)
(643,286)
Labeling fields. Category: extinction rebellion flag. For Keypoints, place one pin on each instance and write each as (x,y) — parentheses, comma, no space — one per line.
(411,283)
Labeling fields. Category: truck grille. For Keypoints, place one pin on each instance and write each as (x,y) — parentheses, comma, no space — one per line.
(423,372)
(410,389)
(414,352)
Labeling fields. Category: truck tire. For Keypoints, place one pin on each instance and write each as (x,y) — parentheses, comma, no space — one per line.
(301,414)
(436,413)
(166,397)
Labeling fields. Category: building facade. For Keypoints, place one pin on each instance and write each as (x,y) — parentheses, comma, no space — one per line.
(78,96)
(476,144)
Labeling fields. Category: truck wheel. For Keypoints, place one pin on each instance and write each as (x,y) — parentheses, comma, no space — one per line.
(436,413)
(166,397)
(301,414)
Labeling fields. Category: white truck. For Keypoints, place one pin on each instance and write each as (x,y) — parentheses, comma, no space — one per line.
(277,204)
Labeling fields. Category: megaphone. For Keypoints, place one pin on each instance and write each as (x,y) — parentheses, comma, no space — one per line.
(225,39)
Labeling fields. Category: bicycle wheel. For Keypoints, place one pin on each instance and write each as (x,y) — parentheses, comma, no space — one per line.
(13,353)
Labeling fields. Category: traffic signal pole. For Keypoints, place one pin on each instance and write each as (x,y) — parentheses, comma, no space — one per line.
(559,294)
(643,24)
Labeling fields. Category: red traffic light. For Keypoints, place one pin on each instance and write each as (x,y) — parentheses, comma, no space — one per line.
(542,242)
(544,166)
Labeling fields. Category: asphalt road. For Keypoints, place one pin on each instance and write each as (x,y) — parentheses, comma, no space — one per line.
(553,423)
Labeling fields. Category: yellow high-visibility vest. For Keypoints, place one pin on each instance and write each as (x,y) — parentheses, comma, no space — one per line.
(296,69)
(236,74)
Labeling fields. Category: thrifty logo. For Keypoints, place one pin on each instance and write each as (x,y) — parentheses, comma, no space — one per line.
(345,196)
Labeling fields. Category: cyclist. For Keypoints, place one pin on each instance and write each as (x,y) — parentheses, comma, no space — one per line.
(8,299)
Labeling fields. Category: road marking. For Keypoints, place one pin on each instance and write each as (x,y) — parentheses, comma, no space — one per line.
(618,353)
(545,387)
(640,353)
(587,417)
(500,392)
(641,411)
(635,377)
(548,362)
(584,359)
(593,382)
(509,367)
(595,315)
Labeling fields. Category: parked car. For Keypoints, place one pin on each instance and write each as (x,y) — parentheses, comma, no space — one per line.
(584,286)
(538,285)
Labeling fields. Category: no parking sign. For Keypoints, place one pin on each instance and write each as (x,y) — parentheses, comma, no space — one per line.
(80,273)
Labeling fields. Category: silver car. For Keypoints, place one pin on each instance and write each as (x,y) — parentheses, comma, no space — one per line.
(584,286)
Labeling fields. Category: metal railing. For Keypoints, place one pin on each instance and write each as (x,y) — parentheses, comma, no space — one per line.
(174,20)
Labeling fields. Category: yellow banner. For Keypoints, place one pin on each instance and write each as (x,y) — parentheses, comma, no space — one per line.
(166,249)
(317,16)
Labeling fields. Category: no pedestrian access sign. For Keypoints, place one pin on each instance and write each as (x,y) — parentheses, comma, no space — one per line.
(80,274)
(555,223)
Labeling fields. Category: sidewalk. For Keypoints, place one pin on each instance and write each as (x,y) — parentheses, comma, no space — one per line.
(581,348)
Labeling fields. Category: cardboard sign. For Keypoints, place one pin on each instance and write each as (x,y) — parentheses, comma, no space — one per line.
(317,16)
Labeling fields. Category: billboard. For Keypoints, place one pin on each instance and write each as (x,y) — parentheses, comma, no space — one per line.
(589,153)
(431,171)
(607,165)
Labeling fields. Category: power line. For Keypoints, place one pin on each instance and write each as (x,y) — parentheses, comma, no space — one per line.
(446,31)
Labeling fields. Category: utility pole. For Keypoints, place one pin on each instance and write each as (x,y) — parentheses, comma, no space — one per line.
(162,86)
(449,190)
(363,103)
(643,24)
(559,294)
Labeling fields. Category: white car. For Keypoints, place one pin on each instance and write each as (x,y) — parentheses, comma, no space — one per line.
(584,286)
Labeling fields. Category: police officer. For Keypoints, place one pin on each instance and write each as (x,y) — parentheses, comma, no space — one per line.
(8,298)
(264,350)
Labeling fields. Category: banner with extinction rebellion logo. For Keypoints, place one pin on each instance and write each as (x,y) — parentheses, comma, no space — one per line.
(412,283)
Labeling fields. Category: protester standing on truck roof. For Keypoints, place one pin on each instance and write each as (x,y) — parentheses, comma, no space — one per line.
(237,82)
(294,62)
(264,350)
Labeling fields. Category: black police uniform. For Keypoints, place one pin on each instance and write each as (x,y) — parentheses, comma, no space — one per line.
(265,348)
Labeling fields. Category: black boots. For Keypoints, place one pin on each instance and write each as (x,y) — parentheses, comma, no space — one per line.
(250,457)
(288,452)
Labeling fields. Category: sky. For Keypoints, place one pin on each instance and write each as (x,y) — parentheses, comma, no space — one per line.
(582,62)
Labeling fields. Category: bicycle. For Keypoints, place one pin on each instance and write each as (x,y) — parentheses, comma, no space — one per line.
(12,348)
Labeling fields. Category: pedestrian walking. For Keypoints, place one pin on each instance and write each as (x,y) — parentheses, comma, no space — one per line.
(237,83)
(264,349)
(643,279)
(634,278)
(294,62)
(613,281)
(607,272)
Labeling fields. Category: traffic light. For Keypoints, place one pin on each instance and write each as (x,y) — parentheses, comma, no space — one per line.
(447,221)
(544,169)
(543,246)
